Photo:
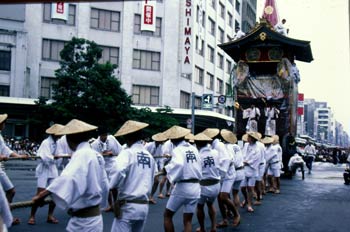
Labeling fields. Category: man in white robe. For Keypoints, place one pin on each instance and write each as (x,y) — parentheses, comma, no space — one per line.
(46,170)
(5,212)
(184,171)
(82,187)
(132,177)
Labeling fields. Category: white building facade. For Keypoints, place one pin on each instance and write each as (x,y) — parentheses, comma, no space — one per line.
(157,68)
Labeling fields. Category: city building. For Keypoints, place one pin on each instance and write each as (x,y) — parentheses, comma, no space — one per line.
(157,68)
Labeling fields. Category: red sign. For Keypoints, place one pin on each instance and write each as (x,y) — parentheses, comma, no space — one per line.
(300,103)
(60,7)
(148,15)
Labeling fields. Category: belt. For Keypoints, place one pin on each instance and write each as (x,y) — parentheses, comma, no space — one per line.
(275,162)
(135,201)
(239,168)
(261,163)
(189,181)
(209,182)
(91,211)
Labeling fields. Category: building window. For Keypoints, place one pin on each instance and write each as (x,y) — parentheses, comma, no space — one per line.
(220,61)
(198,102)
(230,1)
(236,24)
(199,46)
(51,49)
(147,60)
(230,19)
(228,66)
(219,86)
(213,4)
(210,54)
(71,15)
(5,60)
(221,35)
(137,27)
(210,81)
(238,6)
(105,20)
(199,76)
(46,89)
(145,95)
(198,14)
(110,54)
(4,90)
(211,28)
(185,100)
(228,89)
(222,10)
(203,19)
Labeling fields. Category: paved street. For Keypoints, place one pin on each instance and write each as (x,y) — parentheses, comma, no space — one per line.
(319,203)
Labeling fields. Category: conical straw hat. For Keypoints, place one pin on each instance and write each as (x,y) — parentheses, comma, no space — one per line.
(228,136)
(255,135)
(76,126)
(276,138)
(176,132)
(211,132)
(159,137)
(130,126)
(190,137)
(267,140)
(245,137)
(54,129)
(202,137)
(3,117)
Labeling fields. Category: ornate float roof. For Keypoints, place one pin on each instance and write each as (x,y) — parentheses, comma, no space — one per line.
(263,35)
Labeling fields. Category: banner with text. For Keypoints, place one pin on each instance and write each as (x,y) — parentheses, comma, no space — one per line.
(59,10)
(148,16)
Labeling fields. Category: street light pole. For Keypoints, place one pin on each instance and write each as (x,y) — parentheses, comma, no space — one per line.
(192,111)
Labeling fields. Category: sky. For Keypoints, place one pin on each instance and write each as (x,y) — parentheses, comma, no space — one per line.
(326,24)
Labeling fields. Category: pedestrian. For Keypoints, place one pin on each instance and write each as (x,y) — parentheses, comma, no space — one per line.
(184,171)
(272,163)
(295,162)
(82,187)
(310,153)
(346,173)
(155,148)
(253,116)
(271,114)
(167,148)
(132,176)
(259,181)
(5,153)
(210,183)
(6,218)
(277,172)
(46,170)
(109,147)
(63,150)
(235,175)
(280,27)
(251,156)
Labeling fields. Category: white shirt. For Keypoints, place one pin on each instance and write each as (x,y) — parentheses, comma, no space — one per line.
(238,161)
(133,175)
(111,144)
(310,150)
(224,156)
(252,156)
(5,212)
(185,164)
(231,172)
(4,150)
(239,34)
(279,27)
(271,157)
(47,166)
(83,183)
(251,113)
(295,159)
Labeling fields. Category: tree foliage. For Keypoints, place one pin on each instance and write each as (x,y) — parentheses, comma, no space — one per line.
(88,90)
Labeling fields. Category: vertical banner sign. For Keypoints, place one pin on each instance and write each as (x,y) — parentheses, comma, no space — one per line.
(148,16)
(300,103)
(59,10)
(187,35)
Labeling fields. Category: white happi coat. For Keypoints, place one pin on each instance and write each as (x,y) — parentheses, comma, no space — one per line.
(111,144)
(83,183)
(211,170)
(231,171)
(224,156)
(4,150)
(185,164)
(47,166)
(63,149)
(156,151)
(262,163)
(237,160)
(5,212)
(251,155)
(133,176)
(271,157)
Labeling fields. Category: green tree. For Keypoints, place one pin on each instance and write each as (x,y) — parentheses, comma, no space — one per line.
(87,89)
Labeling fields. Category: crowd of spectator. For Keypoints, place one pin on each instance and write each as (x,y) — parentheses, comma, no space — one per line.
(22,146)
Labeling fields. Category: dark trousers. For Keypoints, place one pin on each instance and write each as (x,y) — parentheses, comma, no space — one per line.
(308,162)
(346,177)
(294,168)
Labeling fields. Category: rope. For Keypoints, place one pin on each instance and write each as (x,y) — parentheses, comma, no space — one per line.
(26,204)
